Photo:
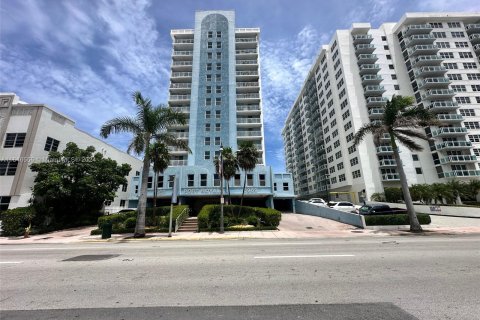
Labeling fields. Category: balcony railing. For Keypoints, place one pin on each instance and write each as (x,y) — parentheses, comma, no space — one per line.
(458,158)
(390,177)
(180,109)
(178,97)
(367,58)
(181,41)
(364,48)
(449,131)
(423,49)
(181,74)
(433,82)
(388,163)
(384,149)
(440,106)
(376,113)
(245,40)
(450,117)
(426,60)
(476,48)
(474,38)
(452,145)
(253,107)
(459,173)
(419,39)
(376,101)
(362,38)
(247,84)
(175,163)
(371,78)
(246,73)
(248,120)
(430,71)
(417,29)
(246,51)
(374,90)
(246,62)
(472,28)
(180,86)
(181,63)
(438,93)
(248,96)
(369,68)
(182,53)
(249,133)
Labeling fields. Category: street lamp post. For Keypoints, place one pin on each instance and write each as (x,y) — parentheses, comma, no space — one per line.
(327,182)
(221,189)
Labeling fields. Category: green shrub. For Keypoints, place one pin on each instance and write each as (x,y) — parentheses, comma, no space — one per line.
(14,221)
(209,216)
(393,194)
(130,222)
(394,219)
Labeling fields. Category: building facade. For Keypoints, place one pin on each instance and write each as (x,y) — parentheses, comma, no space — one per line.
(215,81)
(28,133)
(432,57)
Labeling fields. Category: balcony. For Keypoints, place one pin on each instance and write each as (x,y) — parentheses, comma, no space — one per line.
(449,118)
(443,106)
(243,65)
(419,39)
(245,40)
(438,94)
(180,87)
(385,137)
(246,134)
(246,43)
(183,44)
(449,132)
(390,177)
(426,49)
(367,58)
(430,71)
(247,86)
(452,145)
(177,163)
(376,101)
(432,60)
(474,38)
(459,174)
(181,75)
(376,113)
(246,53)
(387,163)
(362,39)
(182,54)
(247,108)
(417,29)
(429,83)
(179,97)
(248,96)
(364,48)
(458,159)
(472,28)
(248,121)
(371,79)
(373,90)
(384,150)
(477,48)
(180,109)
(369,69)
(180,135)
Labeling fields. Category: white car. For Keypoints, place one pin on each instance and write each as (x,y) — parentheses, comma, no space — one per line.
(343,206)
(318,202)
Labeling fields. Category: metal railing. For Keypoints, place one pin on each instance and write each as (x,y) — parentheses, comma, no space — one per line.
(181,218)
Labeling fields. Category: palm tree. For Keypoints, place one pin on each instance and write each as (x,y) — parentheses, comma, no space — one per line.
(402,122)
(150,123)
(230,167)
(456,189)
(472,188)
(160,160)
(247,157)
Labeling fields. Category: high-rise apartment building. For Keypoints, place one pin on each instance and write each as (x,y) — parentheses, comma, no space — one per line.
(433,57)
(215,81)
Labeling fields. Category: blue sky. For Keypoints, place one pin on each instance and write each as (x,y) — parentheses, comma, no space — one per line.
(85,57)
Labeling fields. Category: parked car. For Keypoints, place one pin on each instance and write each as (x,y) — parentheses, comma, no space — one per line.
(371,209)
(318,202)
(343,206)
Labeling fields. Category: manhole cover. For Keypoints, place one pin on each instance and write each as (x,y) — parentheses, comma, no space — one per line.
(308,227)
(92,257)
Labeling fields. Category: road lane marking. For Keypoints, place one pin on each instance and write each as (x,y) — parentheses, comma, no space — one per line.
(10,262)
(307,256)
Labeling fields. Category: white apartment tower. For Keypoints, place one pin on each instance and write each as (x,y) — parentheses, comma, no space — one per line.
(433,57)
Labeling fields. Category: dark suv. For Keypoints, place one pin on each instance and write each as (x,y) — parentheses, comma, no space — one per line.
(378,209)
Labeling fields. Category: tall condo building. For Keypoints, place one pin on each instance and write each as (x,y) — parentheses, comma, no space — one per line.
(433,57)
(215,81)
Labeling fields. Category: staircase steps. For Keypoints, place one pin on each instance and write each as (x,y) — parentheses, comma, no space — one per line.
(189,225)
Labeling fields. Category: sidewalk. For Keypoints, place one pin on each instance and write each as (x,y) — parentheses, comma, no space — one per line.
(292,226)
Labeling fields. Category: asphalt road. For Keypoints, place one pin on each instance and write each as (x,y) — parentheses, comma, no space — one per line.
(421,277)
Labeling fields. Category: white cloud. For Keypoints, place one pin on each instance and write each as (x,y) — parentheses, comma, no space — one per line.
(448,5)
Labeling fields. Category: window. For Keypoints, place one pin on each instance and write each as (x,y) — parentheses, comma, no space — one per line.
(218,89)
(136,189)
(159,182)
(473,76)
(341,178)
(124,187)
(450,66)
(209,66)
(207,127)
(467,112)
(461,44)
(333,180)
(209,77)
(218,101)
(218,77)
(150,183)
(208,114)
(4,203)
(249,179)
(122,203)
(14,140)
(237,180)
(454,76)
(171,181)
(333,123)
(203,180)
(396,87)
(394,77)
(349,137)
(210,34)
(261,179)
(465,55)
(436,25)
(475,87)
(457,34)
(453,24)
(51,144)
(208,102)
(217,141)
(348,125)
(207,141)
(209,45)
(472,125)
(336,144)
(340,166)
(385,47)
(219,34)
(216,180)
(469,65)
(356,174)
(218,127)
(415,157)
(206,155)
(218,114)
(418,170)
(190,180)
(476,152)
(346,114)
(208,89)
(391,67)
(108,203)
(209,55)
(218,66)
(338,155)
(285,186)
(351,149)
(446,55)
(474,137)
(219,45)
(384,38)
(443,44)
(439,34)
(462,99)
(459,88)
(330,159)
(274,186)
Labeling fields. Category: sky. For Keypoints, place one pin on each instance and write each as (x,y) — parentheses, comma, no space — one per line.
(84,58)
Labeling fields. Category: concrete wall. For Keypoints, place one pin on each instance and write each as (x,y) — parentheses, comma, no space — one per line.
(444,210)
(340,216)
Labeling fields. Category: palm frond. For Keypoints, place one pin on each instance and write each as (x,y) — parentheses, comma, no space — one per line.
(370,128)
(137,144)
(409,143)
(120,124)
(412,133)
(170,140)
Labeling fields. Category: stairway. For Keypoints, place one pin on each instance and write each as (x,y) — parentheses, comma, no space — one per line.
(189,225)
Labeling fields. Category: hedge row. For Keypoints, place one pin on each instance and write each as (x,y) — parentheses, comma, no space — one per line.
(96,232)
(259,218)
(125,221)
(15,221)
(394,219)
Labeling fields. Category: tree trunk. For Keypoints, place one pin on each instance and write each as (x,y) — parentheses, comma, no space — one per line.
(414,224)
(243,193)
(142,200)
(229,195)
(155,179)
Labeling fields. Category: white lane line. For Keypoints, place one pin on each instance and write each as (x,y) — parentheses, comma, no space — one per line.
(307,256)
(10,262)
